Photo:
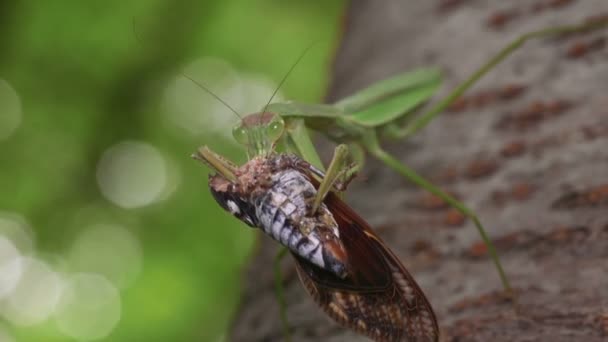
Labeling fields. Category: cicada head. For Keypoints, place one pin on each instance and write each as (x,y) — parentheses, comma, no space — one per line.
(224,194)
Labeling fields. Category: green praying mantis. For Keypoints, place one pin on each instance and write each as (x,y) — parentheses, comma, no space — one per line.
(387,109)
(383,110)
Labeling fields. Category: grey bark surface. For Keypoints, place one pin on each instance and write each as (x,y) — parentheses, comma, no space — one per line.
(533,167)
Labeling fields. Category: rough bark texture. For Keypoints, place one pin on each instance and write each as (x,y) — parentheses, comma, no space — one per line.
(527,150)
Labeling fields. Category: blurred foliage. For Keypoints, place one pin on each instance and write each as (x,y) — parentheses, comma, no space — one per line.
(90,75)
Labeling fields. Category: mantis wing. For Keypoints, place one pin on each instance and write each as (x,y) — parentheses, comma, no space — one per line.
(395,107)
(299,109)
(398,85)
(377,105)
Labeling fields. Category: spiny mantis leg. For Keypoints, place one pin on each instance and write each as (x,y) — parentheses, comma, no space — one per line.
(217,163)
(358,156)
(336,177)
(424,119)
(298,140)
(372,145)
(348,173)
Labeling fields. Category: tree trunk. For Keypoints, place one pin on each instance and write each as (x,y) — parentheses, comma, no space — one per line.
(527,149)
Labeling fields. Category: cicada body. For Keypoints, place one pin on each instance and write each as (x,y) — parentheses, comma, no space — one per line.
(272,195)
(343,264)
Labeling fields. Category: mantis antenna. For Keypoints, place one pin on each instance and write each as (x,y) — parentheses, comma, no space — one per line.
(200,85)
(293,66)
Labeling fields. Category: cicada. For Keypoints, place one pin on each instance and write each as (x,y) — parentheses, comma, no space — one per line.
(343,264)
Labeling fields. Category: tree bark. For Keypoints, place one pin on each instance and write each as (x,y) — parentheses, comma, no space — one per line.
(527,149)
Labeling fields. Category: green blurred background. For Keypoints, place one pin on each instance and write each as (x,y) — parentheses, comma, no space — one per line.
(107,229)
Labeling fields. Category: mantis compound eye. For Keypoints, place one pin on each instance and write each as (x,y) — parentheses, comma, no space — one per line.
(240,135)
(275,128)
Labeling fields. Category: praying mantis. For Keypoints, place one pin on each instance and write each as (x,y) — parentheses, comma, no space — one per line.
(385,109)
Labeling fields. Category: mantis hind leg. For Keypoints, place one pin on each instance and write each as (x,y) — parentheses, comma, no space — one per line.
(280,294)
(374,148)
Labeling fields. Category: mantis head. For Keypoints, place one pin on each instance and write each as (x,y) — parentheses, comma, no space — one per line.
(259,133)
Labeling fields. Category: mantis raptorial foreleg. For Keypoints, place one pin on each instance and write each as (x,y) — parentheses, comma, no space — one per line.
(216,162)
(298,141)
(337,176)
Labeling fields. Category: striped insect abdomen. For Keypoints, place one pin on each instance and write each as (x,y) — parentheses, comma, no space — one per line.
(283,212)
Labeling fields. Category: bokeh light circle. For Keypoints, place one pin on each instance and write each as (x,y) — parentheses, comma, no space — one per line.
(109,250)
(15,228)
(10,110)
(10,267)
(132,174)
(191,108)
(89,307)
(34,298)
(257,91)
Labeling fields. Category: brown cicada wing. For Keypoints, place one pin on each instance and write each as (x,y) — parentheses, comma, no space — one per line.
(378,297)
